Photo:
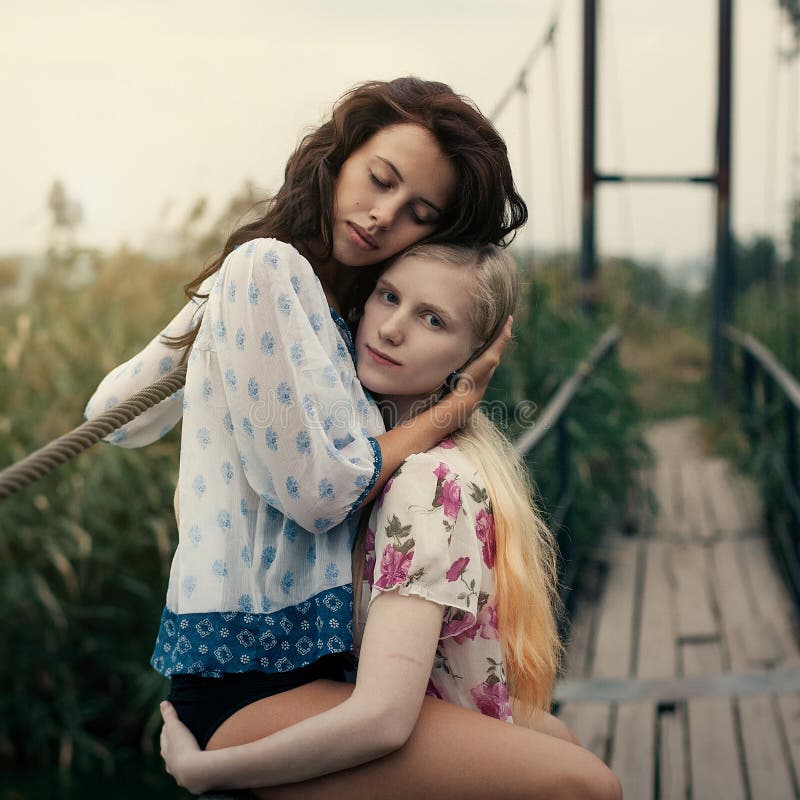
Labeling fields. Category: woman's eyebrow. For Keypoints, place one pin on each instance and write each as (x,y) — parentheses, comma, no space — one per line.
(396,171)
(387,284)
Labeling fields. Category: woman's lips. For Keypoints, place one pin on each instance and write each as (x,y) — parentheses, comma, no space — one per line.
(360,237)
(380,358)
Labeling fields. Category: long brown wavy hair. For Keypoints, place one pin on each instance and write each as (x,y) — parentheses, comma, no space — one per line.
(487,208)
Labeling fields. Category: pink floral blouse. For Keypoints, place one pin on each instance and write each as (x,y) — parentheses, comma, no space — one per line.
(431,534)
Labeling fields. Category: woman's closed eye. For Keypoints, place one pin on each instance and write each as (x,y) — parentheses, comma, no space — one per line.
(418,220)
(384,184)
(378,181)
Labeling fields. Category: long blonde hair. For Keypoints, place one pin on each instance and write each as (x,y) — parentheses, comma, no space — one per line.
(526,563)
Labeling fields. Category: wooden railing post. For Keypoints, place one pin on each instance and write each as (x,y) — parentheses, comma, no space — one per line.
(564,471)
(790,417)
(748,394)
(769,395)
(767,430)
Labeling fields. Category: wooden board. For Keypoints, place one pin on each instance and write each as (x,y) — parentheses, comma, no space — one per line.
(582,623)
(685,670)
(590,722)
(714,757)
(633,749)
(701,658)
(577,654)
(614,638)
(697,523)
(738,615)
(639,513)
(673,770)
(772,598)
(666,522)
(788,706)
(724,499)
(675,440)
(753,641)
(768,771)
(694,613)
(716,770)
(657,656)
(682,528)
(751,509)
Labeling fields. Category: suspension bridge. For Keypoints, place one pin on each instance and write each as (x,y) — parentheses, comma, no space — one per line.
(683,667)
(683,660)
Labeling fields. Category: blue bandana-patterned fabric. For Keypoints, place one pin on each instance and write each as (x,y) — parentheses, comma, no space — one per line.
(277,454)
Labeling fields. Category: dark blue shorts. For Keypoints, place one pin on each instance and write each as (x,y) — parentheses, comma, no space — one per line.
(203,704)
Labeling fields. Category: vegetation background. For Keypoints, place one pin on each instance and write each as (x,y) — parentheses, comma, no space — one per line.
(85,552)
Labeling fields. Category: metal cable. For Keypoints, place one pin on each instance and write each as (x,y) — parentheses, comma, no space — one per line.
(559,172)
(42,461)
(545,40)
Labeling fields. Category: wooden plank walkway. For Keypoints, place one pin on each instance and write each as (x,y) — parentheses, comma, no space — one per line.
(683,669)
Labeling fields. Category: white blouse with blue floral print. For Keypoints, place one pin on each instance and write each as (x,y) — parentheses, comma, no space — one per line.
(277,454)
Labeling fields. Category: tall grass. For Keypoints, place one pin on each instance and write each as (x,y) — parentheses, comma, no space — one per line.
(84,553)
(769,310)
(604,422)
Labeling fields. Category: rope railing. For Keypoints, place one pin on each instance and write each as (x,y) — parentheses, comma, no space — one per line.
(47,458)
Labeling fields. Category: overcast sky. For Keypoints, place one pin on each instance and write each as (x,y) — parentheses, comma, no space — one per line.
(141,107)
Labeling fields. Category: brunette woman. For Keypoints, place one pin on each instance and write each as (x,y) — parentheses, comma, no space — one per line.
(281,446)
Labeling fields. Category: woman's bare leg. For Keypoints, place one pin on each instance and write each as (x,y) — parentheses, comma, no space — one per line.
(453,752)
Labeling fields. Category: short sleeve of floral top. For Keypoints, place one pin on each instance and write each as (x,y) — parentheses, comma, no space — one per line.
(431,534)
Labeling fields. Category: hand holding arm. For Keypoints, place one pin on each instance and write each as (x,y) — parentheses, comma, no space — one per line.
(396,660)
(182,755)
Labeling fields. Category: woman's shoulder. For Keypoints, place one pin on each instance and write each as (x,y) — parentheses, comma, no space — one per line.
(270,268)
(447,454)
(268,244)
(273,255)
(444,463)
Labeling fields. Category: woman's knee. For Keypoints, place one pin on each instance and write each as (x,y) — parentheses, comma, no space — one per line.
(597,782)
(553,726)
(574,773)
(609,786)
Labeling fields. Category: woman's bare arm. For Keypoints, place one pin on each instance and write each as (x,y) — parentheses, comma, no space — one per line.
(395,665)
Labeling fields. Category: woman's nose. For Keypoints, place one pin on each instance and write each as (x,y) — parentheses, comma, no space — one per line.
(392,329)
(384,212)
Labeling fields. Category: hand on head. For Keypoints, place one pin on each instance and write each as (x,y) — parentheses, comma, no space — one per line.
(474,378)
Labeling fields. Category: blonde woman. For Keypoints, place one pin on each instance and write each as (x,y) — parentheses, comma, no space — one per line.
(462,576)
